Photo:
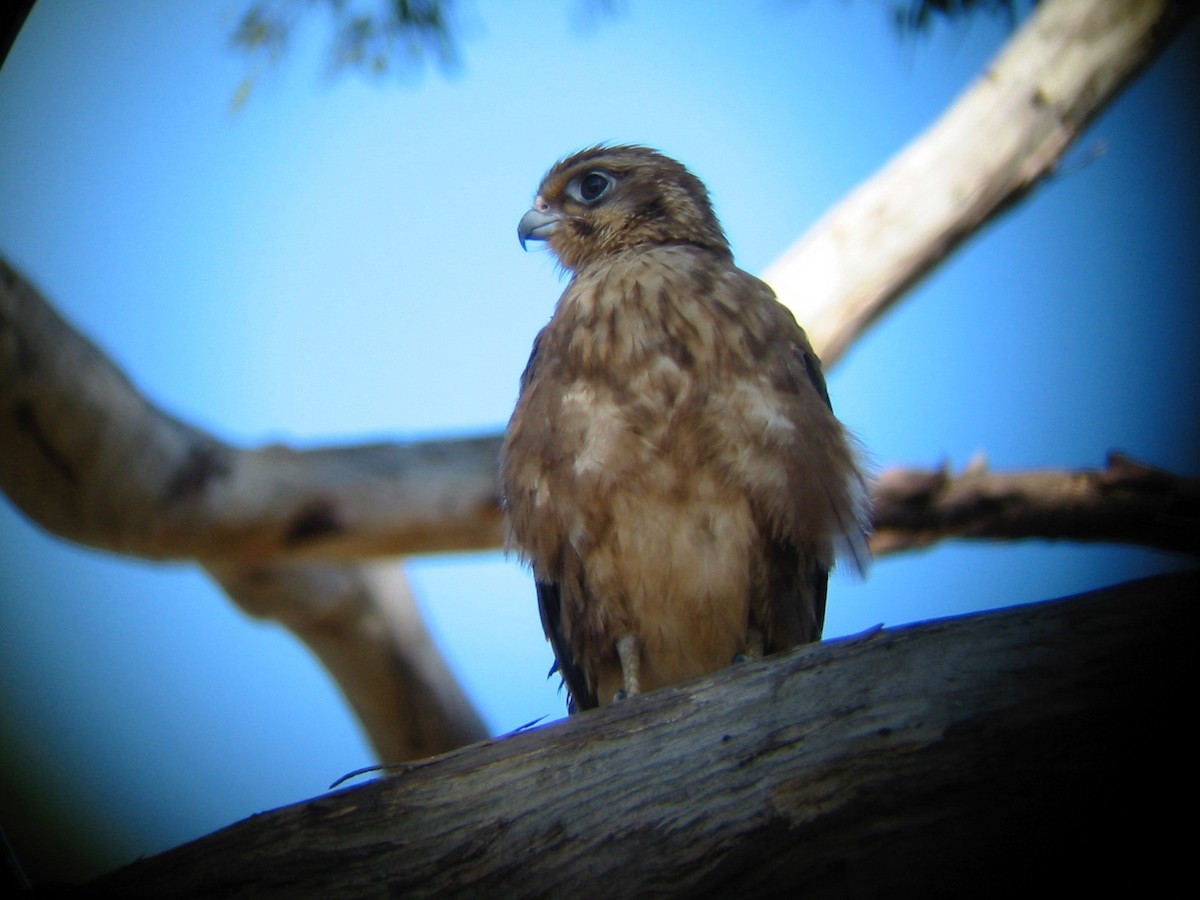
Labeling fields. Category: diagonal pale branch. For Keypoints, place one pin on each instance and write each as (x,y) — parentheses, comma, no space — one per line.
(1126,502)
(1000,139)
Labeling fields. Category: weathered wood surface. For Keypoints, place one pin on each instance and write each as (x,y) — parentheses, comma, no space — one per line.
(1127,502)
(1029,748)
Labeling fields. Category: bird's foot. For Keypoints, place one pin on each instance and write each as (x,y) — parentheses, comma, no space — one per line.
(754,646)
(631,663)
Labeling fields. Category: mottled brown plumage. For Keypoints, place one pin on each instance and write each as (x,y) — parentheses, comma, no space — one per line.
(672,471)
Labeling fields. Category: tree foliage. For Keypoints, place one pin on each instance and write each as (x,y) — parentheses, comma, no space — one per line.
(372,37)
(378,37)
(920,15)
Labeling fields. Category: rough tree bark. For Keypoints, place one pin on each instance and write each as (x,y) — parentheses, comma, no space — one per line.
(1126,502)
(986,755)
(87,457)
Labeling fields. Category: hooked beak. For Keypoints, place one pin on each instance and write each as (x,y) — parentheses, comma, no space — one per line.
(536,225)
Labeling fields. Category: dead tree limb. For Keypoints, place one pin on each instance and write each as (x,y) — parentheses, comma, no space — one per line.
(1126,502)
(977,756)
(86,455)
(1000,139)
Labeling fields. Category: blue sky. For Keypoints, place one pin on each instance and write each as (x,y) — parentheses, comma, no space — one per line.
(337,262)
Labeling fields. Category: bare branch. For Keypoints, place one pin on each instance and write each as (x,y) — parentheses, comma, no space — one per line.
(1003,136)
(83,453)
(88,457)
(1127,502)
(927,760)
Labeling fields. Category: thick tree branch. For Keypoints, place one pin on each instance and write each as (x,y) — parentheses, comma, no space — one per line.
(88,457)
(976,756)
(1127,502)
(1004,136)
(84,454)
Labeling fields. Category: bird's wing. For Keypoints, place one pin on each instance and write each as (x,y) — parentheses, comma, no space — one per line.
(793,610)
(818,512)
(531,365)
(797,575)
(550,605)
(851,538)
(812,367)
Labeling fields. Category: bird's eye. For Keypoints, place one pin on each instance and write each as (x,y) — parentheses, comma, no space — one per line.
(590,187)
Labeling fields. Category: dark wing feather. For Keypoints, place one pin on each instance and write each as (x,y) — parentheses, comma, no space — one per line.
(818,577)
(550,606)
(818,580)
(796,592)
(853,542)
(816,376)
(531,365)
(550,603)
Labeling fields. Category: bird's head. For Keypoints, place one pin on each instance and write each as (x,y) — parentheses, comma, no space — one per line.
(608,199)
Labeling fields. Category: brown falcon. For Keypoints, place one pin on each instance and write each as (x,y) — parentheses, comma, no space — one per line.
(673,471)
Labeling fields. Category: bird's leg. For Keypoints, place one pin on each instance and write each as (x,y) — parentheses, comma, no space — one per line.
(754,646)
(630,655)
(754,643)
